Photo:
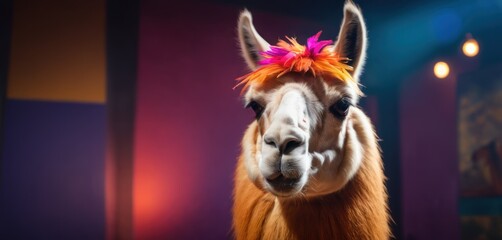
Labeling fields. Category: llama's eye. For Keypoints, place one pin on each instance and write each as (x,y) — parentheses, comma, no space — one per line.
(341,108)
(257,108)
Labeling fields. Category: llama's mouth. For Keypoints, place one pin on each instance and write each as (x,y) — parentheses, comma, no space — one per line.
(283,186)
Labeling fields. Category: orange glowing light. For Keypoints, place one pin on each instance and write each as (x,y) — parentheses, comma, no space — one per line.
(470,47)
(441,70)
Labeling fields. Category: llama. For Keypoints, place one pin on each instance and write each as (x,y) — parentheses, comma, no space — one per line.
(310,166)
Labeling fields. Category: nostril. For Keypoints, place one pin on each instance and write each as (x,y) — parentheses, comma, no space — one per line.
(270,141)
(290,146)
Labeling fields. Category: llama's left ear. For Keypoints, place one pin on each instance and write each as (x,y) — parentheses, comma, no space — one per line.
(250,41)
(352,38)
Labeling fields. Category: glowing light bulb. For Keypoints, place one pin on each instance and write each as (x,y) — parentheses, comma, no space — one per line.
(470,47)
(441,70)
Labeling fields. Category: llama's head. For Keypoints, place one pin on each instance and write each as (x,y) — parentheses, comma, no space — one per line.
(306,143)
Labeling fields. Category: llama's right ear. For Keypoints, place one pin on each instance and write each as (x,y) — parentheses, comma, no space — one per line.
(250,41)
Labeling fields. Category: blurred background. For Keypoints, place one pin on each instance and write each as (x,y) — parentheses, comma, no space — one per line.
(118,118)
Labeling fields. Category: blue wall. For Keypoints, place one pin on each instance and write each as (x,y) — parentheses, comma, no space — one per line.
(52,179)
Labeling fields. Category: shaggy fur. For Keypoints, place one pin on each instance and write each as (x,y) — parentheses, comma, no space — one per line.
(341,192)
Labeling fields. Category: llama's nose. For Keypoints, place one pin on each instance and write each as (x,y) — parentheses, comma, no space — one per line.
(286,144)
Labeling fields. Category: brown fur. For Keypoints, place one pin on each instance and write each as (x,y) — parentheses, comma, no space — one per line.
(358,211)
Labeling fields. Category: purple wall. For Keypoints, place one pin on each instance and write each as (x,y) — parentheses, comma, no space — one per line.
(429,157)
(188,122)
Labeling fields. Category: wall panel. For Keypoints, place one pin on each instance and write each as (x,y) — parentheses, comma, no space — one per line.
(58,51)
(53,171)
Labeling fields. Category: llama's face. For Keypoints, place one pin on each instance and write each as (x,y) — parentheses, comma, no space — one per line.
(299,119)
(305,144)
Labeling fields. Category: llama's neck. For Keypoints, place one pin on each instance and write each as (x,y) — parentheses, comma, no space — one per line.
(358,211)
(355,212)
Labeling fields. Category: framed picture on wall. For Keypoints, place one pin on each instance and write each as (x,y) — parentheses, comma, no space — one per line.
(480,153)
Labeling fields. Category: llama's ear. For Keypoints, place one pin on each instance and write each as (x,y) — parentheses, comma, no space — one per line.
(250,41)
(352,38)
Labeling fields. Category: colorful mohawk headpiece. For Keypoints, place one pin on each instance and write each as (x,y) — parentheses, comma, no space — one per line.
(318,57)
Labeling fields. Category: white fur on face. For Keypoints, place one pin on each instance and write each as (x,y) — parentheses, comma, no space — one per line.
(326,153)
(333,168)
(285,141)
